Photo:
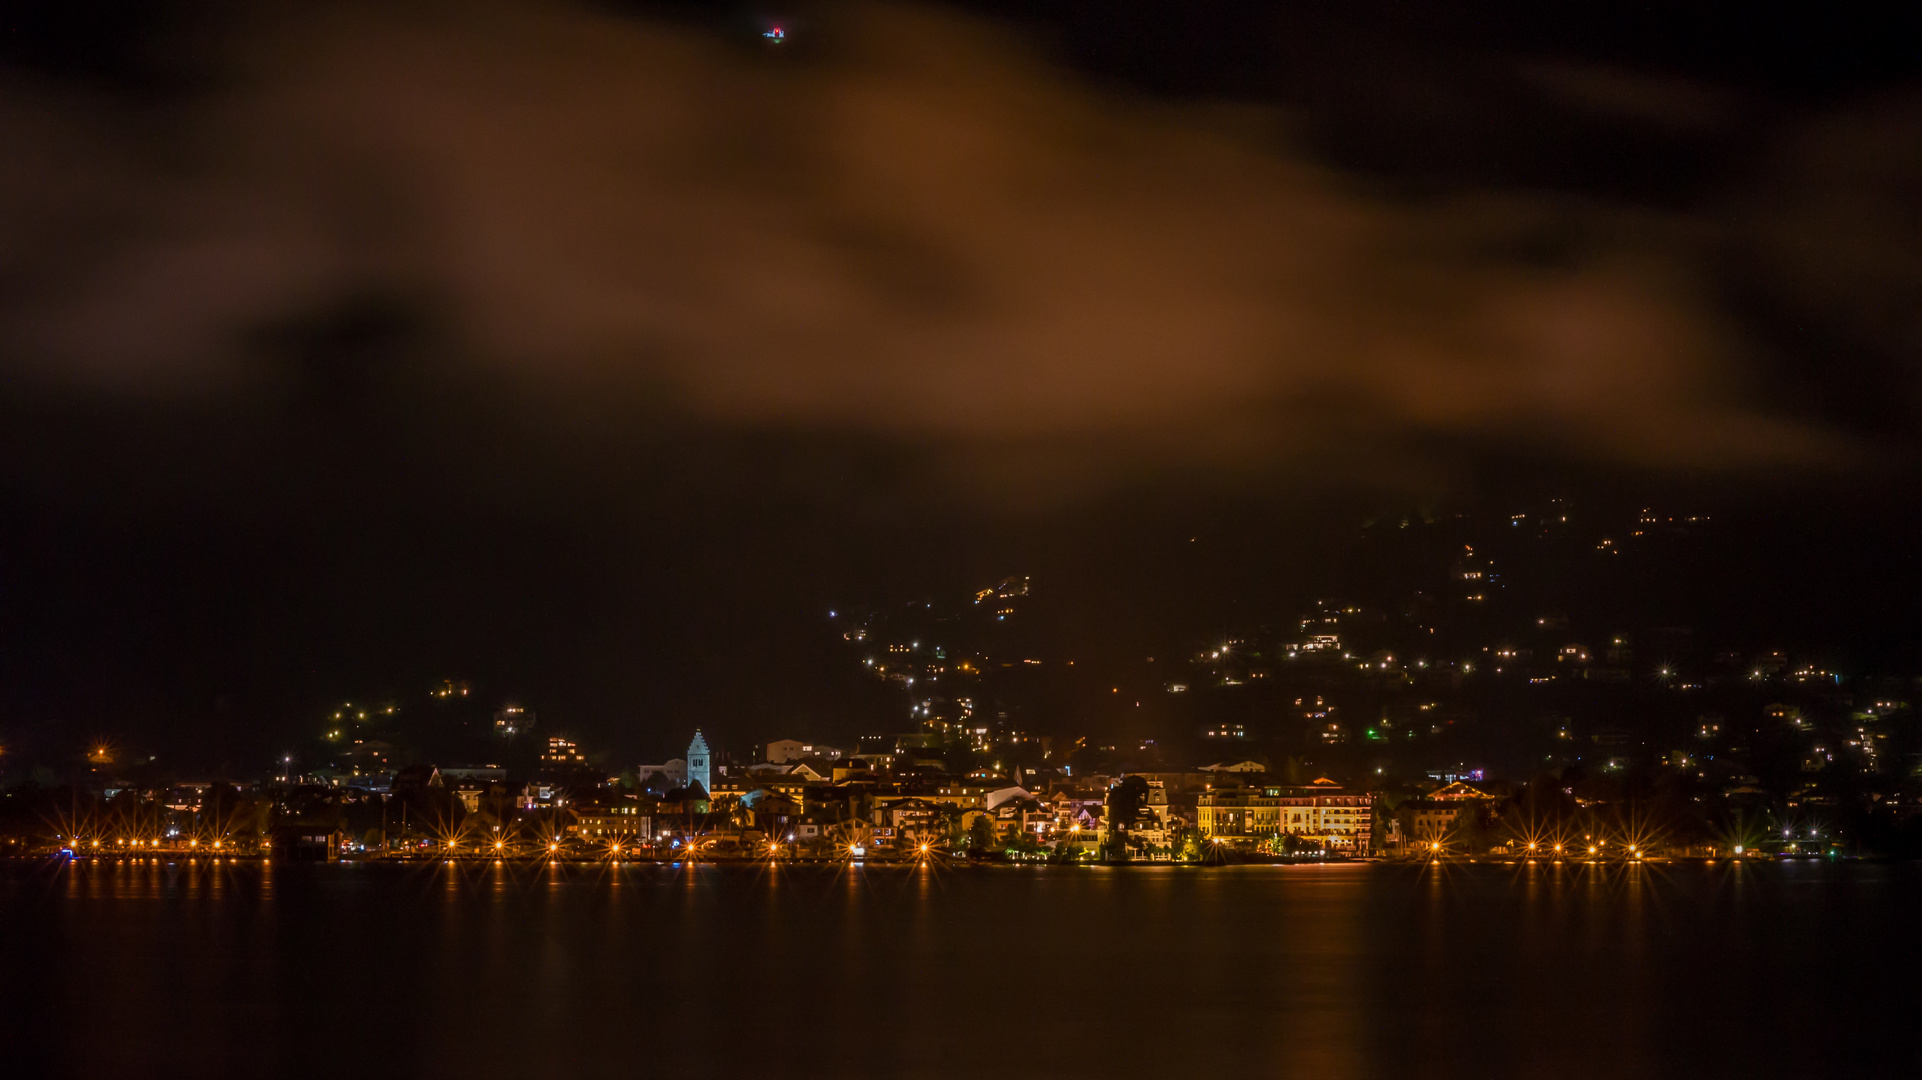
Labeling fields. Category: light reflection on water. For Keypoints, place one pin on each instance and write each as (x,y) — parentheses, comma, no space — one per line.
(540,969)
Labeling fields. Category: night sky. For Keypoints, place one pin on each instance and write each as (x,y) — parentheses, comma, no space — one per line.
(592,351)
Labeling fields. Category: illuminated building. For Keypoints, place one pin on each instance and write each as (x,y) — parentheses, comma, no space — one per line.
(1237,812)
(1433,819)
(698,771)
(513,720)
(621,822)
(562,752)
(784,751)
(1320,811)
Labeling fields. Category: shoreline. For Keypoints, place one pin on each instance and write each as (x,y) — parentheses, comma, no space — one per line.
(916,864)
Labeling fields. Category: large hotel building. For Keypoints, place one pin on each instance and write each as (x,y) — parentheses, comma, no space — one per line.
(1319,811)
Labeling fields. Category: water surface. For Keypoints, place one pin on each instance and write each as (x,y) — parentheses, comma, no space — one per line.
(478,970)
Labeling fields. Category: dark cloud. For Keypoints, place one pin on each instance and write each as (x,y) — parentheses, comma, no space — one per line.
(912,228)
(1828,264)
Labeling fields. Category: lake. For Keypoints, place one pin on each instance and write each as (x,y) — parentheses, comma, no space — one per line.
(1360,970)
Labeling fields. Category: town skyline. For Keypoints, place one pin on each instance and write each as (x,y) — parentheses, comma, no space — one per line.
(946,537)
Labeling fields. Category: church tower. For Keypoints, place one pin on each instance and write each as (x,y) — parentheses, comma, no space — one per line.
(697,760)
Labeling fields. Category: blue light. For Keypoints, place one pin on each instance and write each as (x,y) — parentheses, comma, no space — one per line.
(775,35)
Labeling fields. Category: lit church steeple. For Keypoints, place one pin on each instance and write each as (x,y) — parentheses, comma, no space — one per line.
(697,763)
